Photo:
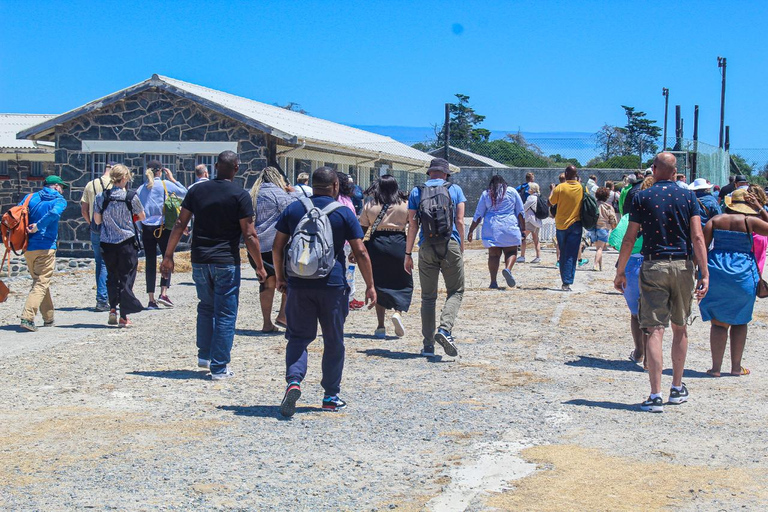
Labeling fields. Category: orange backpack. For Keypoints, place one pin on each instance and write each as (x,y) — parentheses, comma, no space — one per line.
(13,227)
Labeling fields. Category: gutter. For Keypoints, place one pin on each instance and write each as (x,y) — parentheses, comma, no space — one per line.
(303,145)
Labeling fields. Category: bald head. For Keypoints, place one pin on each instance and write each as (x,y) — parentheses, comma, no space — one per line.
(571,172)
(664,166)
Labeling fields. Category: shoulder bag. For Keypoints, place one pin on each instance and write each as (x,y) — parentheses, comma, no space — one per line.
(373,227)
(762,286)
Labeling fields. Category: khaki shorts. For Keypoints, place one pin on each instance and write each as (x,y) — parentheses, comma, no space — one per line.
(666,292)
(532,227)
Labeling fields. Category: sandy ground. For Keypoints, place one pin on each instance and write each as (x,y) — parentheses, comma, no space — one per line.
(538,412)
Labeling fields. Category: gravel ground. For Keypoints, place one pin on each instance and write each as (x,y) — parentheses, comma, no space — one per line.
(97,417)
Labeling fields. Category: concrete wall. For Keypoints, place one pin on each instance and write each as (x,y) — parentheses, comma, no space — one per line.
(474,180)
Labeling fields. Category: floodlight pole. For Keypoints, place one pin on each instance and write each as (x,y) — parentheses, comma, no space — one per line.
(447,128)
(721,63)
(695,156)
(665,93)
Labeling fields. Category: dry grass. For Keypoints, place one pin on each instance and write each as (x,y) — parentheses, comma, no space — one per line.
(576,478)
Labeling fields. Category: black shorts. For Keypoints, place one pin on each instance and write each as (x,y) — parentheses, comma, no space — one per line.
(269,265)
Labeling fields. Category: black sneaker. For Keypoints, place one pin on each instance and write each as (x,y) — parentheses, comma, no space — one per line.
(101,307)
(653,405)
(152,305)
(678,397)
(428,351)
(292,395)
(333,403)
(447,342)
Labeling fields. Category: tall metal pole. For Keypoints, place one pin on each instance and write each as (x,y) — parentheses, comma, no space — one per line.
(695,156)
(447,128)
(665,93)
(678,128)
(727,138)
(721,63)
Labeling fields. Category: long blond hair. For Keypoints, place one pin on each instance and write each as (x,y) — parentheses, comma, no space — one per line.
(150,174)
(118,172)
(268,175)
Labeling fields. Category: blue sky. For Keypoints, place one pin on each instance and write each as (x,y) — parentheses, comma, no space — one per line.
(537,66)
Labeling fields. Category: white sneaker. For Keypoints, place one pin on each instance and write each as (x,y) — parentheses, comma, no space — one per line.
(203,363)
(397,321)
(521,259)
(226,374)
(535,260)
(380,333)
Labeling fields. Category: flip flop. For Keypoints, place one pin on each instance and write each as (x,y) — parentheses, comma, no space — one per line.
(743,371)
(632,358)
(281,324)
(270,331)
(713,373)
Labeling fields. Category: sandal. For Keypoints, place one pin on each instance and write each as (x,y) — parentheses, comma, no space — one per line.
(713,373)
(632,358)
(743,371)
(274,329)
(281,324)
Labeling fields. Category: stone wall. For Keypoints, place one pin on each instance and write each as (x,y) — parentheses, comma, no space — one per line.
(474,180)
(18,182)
(18,266)
(152,115)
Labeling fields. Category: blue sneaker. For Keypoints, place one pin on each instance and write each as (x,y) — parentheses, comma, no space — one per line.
(292,395)
(446,341)
(508,277)
(333,403)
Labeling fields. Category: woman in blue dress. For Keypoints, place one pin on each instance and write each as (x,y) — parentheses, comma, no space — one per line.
(501,210)
(733,277)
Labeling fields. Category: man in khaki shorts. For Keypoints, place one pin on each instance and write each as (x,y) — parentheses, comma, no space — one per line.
(671,225)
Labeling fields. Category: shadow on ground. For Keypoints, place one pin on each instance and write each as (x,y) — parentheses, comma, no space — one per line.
(84,326)
(171,374)
(258,332)
(604,405)
(626,366)
(389,354)
(360,336)
(263,411)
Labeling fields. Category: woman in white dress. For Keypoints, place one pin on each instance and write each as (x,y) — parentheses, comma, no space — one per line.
(501,210)
(532,223)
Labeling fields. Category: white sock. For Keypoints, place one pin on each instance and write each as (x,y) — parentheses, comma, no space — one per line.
(677,388)
(655,395)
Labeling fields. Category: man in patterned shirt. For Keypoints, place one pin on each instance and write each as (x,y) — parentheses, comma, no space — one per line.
(669,217)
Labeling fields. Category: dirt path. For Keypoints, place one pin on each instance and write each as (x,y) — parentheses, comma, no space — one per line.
(97,417)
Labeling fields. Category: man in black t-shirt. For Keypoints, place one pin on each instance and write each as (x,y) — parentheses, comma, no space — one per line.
(223,213)
(727,189)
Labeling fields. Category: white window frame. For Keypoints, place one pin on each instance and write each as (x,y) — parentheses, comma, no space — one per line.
(169,161)
(209,161)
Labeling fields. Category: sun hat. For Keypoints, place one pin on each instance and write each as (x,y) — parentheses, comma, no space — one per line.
(699,184)
(735,202)
(55,180)
(648,172)
(439,164)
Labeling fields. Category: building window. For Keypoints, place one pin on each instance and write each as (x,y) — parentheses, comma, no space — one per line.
(99,162)
(208,161)
(36,171)
(3,167)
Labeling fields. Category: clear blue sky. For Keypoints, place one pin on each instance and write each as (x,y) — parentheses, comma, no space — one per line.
(540,66)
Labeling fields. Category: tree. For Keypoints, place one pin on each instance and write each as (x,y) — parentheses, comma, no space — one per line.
(611,141)
(293,107)
(462,122)
(510,153)
(616,162)
(561,161)
(742,166)
(642,133)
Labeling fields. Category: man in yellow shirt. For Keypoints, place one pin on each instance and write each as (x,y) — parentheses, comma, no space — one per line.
(568,197)
(91,190)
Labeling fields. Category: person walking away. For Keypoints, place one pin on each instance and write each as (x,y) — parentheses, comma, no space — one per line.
(760,244)
(670,221)
(728,188)
(270,196)
(45,209)
(116,211)
(592,185)
(316,284)
(223,215)
(681,181)
(501,211)
(302,181)
(606,221)
(438,207)
(733,277)
(201,175)
(524,189)
(356,196)
(532,223)
(613,196)
(568,197)
(346,190)
(707,202)
(153,195)
(91,190)
(384,219)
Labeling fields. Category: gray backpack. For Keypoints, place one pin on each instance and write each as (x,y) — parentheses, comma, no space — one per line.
(310,253)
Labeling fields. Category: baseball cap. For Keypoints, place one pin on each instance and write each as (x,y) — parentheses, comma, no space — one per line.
(55,180)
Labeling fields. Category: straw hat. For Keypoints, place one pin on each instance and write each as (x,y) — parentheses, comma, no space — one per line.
(735,202)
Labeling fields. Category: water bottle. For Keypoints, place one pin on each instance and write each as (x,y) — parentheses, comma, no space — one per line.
(351,280)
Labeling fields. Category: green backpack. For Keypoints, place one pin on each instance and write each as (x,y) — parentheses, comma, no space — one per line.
(589,211)
(171,210)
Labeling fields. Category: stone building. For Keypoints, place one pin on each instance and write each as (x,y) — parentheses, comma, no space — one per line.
(23,163)
(183,124)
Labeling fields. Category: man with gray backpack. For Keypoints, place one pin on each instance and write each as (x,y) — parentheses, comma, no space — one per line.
(308,254)
(438,207)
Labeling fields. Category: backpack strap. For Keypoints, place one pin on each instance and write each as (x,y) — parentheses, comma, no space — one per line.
(307,203)
(332,207)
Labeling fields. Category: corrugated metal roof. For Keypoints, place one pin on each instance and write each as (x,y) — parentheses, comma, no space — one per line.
(293,127)
(10,124)
(490,162)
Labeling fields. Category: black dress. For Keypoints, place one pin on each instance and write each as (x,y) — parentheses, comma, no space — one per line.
(394,286)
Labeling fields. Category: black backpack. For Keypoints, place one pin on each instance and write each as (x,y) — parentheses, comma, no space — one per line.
(435,213)
(589,210)
(542,208)
(128,200)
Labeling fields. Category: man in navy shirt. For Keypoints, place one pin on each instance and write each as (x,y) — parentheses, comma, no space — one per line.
(671,224)
(324,300)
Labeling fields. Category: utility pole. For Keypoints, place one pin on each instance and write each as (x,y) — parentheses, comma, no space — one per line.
(721,64)
(447,128)
(727,138)
(678,128)
(695,155)
(665,93)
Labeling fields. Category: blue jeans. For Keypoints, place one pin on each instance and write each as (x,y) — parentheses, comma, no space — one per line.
(569,241)
(101,270)
(218,289)
(304,309)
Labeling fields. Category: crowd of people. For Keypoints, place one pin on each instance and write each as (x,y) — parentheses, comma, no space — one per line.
(307,241)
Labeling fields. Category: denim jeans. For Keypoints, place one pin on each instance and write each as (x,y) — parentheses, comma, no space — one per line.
(218,289)
(569,241)
(101,270)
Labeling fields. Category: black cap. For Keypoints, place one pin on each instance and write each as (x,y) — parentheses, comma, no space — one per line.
(739,177)
(154,164)
(439,164)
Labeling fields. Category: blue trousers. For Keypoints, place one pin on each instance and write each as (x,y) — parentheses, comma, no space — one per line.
(304,308)
(101,270)
(569,241)
(218,289)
